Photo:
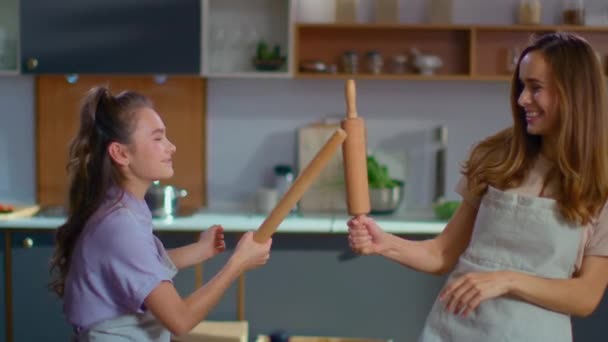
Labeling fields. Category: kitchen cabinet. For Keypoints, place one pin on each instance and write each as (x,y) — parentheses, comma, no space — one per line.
(9,33)
(110,36)
(37,313)
(232,30)
(467,52)
(180,101)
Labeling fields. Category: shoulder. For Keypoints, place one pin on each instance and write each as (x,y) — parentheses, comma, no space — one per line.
(118,228)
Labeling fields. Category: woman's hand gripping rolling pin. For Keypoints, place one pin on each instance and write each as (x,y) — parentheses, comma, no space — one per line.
(365,237)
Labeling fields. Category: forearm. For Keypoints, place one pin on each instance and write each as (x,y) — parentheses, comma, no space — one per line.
(422,256)
(203,300)
(570,296)
(186,256)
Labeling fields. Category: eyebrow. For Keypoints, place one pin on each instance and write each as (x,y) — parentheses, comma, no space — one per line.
(531,80)
(158,130)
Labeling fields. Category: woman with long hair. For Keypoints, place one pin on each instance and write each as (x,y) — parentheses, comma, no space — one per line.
(527,247)
(112,273)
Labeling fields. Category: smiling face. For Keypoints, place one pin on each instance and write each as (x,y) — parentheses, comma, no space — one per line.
(538,97)
(150,152)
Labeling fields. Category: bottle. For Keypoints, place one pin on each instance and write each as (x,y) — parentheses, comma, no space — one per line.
(283,179)
(529,12)
(574,12)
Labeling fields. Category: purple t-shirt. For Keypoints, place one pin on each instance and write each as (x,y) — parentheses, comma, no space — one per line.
(116,263)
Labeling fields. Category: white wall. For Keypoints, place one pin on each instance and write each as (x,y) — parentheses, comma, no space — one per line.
(17,148)
(252,125)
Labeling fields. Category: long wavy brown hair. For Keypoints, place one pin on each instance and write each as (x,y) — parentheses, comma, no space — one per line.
(581,163)
(104,119)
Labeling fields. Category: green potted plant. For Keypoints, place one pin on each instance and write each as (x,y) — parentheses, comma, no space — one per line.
(385,192)
(267,59)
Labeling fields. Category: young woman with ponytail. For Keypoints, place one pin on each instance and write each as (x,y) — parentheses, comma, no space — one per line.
(112,273)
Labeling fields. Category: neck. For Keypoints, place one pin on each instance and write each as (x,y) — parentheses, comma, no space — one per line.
(136,187)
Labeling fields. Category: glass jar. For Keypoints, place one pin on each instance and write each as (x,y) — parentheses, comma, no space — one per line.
(375,62)
(529,12)
(350,62)
(574,12)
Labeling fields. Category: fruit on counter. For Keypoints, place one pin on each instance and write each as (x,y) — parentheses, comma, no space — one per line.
(444,209)
(6,208)
(377,175)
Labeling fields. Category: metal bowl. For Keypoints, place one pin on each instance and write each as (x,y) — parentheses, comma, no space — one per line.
(386,200)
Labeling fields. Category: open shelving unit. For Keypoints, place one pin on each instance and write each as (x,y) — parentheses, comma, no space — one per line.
(468,52)
(231,30)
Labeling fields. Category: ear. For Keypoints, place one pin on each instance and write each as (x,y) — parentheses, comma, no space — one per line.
(118,153)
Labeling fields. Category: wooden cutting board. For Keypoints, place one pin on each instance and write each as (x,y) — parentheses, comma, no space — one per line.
(20,212)
(327,193)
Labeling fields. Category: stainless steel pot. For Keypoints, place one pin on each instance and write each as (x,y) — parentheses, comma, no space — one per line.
(163,200)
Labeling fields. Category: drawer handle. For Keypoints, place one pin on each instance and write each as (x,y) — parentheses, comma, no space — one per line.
(28,242)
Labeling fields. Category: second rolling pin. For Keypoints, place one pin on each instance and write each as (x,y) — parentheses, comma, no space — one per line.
(354,152)
(299,187)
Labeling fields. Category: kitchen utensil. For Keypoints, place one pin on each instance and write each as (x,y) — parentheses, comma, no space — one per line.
(355,156)
(163,200)
(300,185)
(386,200)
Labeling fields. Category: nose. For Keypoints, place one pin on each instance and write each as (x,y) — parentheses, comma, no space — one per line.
(172,147)
(524,98)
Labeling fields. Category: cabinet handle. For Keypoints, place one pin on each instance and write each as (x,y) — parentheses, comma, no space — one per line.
(28,242)
(32,63)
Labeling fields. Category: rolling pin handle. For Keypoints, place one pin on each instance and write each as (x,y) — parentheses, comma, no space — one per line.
(351,100)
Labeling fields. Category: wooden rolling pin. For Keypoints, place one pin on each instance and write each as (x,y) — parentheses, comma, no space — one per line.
(354,152)
(299,187)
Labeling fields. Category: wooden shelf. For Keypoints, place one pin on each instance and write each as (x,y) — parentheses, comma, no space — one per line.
(468,52)
(388,77)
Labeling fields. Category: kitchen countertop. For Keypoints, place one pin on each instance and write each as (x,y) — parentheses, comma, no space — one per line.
(413,222)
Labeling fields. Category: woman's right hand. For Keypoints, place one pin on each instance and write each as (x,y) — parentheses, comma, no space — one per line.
(250,254)
(365,236)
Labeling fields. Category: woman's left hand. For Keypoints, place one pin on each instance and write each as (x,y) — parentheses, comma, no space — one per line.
(464,294)
(211,242)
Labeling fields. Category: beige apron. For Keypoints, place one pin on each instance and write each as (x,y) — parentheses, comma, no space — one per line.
(132,327)
(520,233)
